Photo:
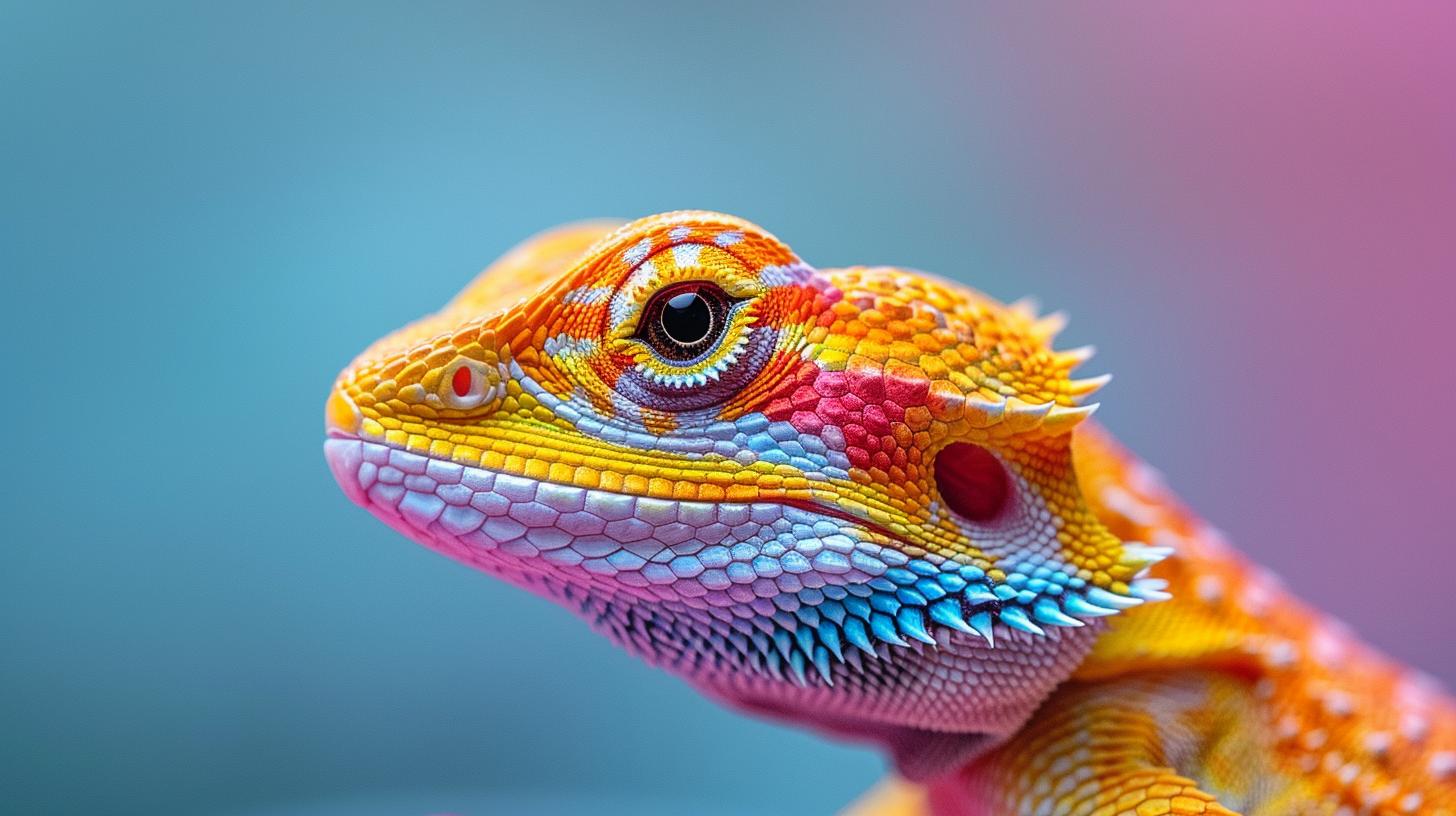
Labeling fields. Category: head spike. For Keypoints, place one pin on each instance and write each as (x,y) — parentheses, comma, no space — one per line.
(1087,386)
(1048,327)
(983,412)
(1140,555)
(1073,357)
(1149,589)
(1062,419)
(1023,416)
(1102,597)
(1027,306)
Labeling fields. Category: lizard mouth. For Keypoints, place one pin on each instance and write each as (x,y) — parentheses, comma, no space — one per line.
(498,521)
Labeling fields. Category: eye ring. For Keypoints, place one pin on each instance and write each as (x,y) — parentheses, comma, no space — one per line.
(467,384)
(684,321)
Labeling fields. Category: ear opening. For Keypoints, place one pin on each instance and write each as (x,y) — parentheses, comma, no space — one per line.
(972,482)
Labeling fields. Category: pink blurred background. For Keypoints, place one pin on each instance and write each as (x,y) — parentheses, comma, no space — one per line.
(1268,193)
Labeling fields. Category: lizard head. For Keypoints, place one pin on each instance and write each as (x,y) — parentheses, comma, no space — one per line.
(841,497)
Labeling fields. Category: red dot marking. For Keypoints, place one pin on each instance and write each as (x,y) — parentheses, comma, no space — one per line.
(462,381)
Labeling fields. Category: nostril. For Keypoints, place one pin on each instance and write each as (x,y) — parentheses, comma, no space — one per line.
(462,381)
(972,481)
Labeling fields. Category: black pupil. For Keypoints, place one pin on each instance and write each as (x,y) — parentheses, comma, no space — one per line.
(686,318)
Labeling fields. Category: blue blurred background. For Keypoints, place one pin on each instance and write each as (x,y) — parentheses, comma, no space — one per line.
(206,211)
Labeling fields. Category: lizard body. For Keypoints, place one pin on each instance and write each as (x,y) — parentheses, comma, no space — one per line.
(868,501)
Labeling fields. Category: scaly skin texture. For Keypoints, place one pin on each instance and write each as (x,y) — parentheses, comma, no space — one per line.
(867,501)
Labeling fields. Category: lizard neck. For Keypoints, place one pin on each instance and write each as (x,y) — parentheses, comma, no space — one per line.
(930,707)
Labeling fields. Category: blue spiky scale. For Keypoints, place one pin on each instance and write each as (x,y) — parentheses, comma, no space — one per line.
(797,663)
(913,624)
(948,613)
(1077,605)
(784,642)
(775,664)
(924,568)
(1015,617)
(979,594)
(884,628)
(911,597)
(885,603)
(1112,600)
(982,623)
(806,638)
(900,575)
(858,636)
(821,663)
(756,661)
(930,588)
(1046,610)
(952,581)
(829,636)
(1003,592)
(833,610)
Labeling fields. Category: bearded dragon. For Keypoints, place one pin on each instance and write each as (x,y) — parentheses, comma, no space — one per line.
(868,501)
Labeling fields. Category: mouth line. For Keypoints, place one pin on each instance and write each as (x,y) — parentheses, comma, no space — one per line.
(464,420)
(819,508)
(806,505)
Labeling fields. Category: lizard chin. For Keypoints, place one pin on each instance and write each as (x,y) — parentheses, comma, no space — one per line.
(764,606)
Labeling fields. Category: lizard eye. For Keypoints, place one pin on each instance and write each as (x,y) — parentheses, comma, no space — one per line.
(694,346)
(685,320)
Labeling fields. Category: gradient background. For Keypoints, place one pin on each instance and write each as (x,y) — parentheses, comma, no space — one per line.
(206,213)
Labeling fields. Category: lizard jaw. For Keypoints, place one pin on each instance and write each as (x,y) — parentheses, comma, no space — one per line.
(669,597)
